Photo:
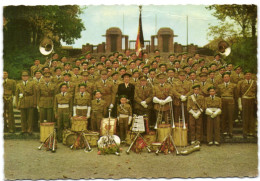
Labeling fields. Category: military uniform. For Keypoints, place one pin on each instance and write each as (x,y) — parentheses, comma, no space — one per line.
(98,111)
(9,91)
(71,87)
(26,101)
(45,100)
(89,87)
(57,79)
(63,108)
(180,88)
(228,94)
(124,111)
(204,88)
(195,124)
(82,102)
(248,100)
(35,68)
(213,124)
(235,78)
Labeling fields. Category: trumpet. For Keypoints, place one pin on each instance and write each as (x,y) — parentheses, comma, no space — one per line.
(54,141)
(87,148)
(40,147)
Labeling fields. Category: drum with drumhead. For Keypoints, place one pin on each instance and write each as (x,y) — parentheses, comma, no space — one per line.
(163,131)
(180,135)
(107,127)
(92,137)
(79,123)
(150,137)
(68,137)
(45,130)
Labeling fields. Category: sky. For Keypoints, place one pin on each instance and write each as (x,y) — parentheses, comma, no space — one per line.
(97,19)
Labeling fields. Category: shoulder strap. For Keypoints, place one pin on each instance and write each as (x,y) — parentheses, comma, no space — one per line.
(195,102)
(249,88)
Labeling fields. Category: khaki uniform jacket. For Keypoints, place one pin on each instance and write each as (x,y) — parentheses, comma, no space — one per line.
(143,95)
(134,81)
(215,103)
(200,101)
(90,87)
(76,78)
(99,107)
(45,95)
(204,88)
(82,101)
(106,90)
(243,86)
(124,109)
(162,93)
(57,80)
(235,78)
(9,88)
(29,95)
(152,82)
(71,88)
(66,99)
(181,88)
(230,91)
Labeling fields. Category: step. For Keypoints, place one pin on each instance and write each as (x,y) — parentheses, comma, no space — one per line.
(238,138)
(18,135)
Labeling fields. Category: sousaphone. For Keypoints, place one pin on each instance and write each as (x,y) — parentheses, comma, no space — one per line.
(46,46)
(224,48)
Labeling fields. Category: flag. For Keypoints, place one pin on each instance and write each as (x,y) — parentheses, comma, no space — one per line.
(139,44)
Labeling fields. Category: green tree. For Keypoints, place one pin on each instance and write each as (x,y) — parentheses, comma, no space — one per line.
(26,26)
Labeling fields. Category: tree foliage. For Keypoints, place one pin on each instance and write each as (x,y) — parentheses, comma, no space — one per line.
(26,26)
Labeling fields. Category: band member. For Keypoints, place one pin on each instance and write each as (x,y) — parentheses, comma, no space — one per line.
(45,98)
(162,98)
(182,88)
(213,107)
(126,88)
(247,90)
(26,101)
(37,66)
(106,87)
(204,85)
(9,86)
(82,102)
(89,85)
(143,98)
(124,113)
(57,78)
(98,110)
(63,108)
(228,93)
(195,106)
(71,85)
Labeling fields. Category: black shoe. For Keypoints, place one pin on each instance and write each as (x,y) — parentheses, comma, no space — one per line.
(23,133)
(244,136)
(30,133)
(230,135)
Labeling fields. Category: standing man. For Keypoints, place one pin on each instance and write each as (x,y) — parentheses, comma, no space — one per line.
(126,88)
(9,92)
(26,101)
(45,98)
(228,93)
(247,90)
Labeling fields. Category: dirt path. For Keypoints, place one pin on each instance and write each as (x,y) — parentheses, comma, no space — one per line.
(24,161)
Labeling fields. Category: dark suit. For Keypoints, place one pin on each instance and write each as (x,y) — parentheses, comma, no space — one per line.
(129,91)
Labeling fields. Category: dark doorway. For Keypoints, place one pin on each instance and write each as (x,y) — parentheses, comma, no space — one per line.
(165,39)
(113,43)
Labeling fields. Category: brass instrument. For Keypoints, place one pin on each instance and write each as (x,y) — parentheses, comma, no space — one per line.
(224,48)
(159,117)
(189,149)
(183,116)
(54,141)
(46,46)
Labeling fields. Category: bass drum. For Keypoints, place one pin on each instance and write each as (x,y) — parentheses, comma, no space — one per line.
(102,142)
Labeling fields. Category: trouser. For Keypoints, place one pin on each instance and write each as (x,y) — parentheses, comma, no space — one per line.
(123,128)
(195,128)
(9,115)
(81,112)
(63,121)
(248,116)
(227,116)
(27,120)
(96,118)
(36,115)
(46,114)
(213,129)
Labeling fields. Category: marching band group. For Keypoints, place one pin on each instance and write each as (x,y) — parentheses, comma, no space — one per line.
(213,93)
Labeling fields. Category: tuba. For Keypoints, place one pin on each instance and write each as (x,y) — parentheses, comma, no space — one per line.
(224,48)
(46,46)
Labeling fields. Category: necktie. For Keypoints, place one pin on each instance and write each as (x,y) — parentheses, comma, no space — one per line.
(161,85)
(47,84)
(212,97)
(248,81)
(25,83)
(63,93)
(81,94)
(5,81)
(212,80)
(98,100)
(226,84)
(143,87)
(203,83)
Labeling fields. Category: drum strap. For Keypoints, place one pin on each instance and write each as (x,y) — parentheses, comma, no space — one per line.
(123,108)
(195,102)
(249,87)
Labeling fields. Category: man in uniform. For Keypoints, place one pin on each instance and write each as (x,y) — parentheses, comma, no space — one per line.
(193,78)
(89,85)
(204,85)
(9,92)
(143,98)
(152,81)
(45,98)
(134,80)
(37,66)
(195,107)
(63,109)
(162,100)
(57,78)
(238,75)
(105,86)
(182,88)
(228,93)
(26,101)
(171,76)
(247,91)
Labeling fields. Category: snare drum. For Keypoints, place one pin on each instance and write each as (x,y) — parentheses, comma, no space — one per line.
(180,136)
(79,123)
(150,137)
(45,130)
(163,131)
(104,128)
(155,146)
(68,137)
(92,137)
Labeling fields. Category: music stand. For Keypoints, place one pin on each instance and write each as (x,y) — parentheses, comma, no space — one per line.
(138,128)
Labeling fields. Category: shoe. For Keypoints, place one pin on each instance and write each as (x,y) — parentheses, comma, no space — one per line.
(230,135)
(225,133)
(192,142)
(244,136)
(216,143)
(23,133)
(210,143)
(30,133)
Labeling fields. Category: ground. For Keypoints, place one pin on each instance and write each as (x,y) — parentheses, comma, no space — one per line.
(24,161)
